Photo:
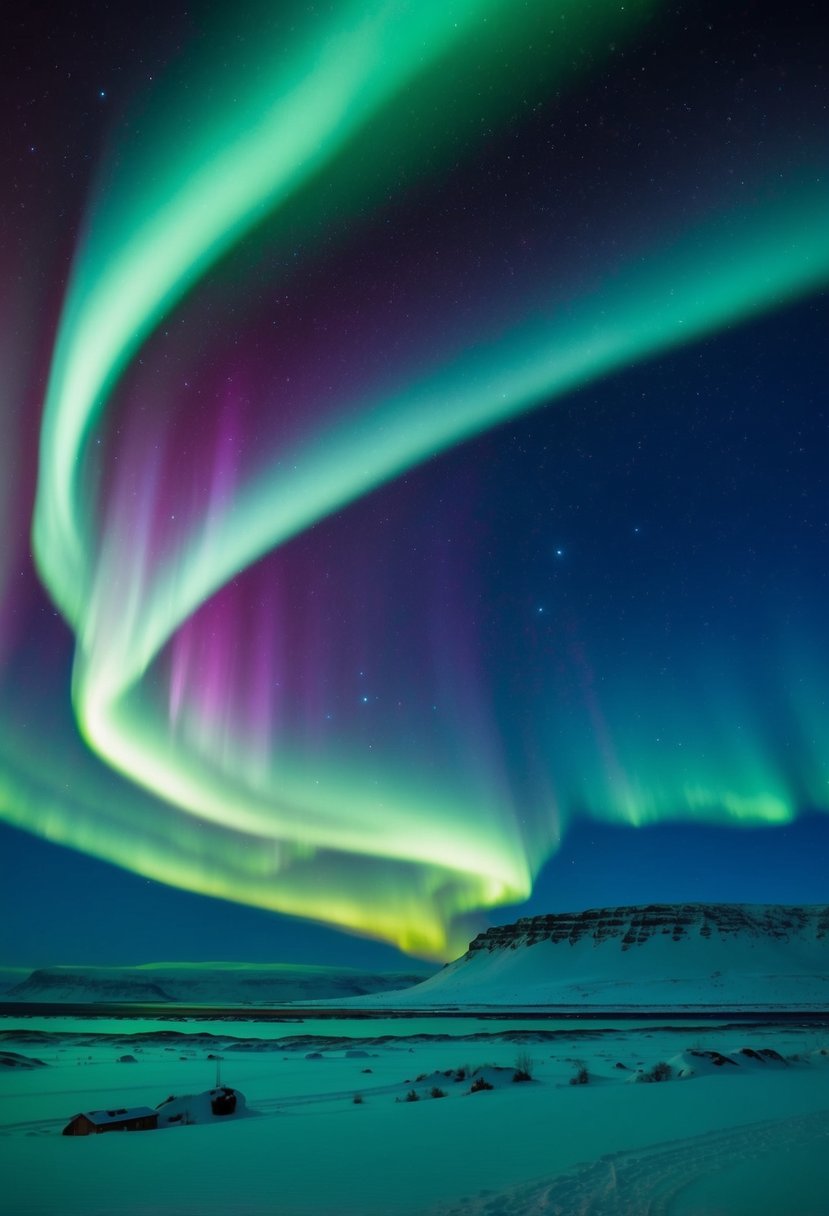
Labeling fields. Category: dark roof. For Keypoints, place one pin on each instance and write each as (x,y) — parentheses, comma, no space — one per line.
(101,1117)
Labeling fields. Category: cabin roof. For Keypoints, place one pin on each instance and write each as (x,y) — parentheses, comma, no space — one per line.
(101,1117)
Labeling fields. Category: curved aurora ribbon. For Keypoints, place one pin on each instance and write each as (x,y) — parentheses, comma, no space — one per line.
(434,863)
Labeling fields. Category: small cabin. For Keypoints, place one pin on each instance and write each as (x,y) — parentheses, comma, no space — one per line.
(93,1122)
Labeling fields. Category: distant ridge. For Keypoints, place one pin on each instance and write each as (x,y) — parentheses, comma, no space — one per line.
(203,983)
(642,956)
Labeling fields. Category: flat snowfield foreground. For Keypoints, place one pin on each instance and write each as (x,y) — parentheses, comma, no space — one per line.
(419,1116)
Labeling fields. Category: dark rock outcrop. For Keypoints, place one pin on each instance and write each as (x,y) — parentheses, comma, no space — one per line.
(634,924)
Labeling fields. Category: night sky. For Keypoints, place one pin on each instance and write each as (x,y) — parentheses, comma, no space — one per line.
(414,470)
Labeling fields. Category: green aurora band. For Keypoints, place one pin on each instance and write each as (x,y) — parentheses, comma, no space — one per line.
(402,861)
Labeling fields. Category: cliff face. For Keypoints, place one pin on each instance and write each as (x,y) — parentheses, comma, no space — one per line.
(633,925)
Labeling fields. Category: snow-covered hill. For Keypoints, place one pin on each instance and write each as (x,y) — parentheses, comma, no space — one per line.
(204,983)
(659,955)
(9,976)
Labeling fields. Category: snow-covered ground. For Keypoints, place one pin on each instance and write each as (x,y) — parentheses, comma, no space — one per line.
(729,1131)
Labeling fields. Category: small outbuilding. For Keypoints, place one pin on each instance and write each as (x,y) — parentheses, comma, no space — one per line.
(93,1122)
(223,1101)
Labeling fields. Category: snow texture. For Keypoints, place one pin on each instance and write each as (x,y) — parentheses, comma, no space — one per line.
(698,1143)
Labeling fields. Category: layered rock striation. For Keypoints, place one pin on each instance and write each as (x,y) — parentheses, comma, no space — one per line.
(632,925)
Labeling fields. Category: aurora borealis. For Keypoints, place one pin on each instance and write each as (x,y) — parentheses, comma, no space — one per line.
(415,444)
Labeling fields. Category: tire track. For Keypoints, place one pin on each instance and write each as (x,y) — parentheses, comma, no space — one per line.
(646,1182)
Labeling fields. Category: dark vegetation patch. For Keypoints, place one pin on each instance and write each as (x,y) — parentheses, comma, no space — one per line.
(13,1059)
(716,1057)
(659,1072)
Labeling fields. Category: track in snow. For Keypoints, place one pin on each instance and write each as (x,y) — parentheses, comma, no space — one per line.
(646,1182)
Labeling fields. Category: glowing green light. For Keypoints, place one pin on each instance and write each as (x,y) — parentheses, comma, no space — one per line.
(383,855)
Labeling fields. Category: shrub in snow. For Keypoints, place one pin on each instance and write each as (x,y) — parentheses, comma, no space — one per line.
(412,1096)
(524,1065)
(437,1092)
(659,1072)
(357,1099)
(479,1084)
(581,1077)
(716,1057)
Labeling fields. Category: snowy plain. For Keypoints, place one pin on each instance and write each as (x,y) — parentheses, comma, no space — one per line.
(749,1138)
